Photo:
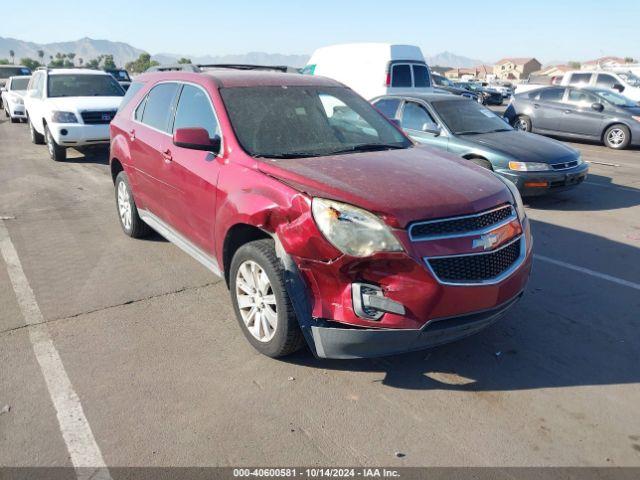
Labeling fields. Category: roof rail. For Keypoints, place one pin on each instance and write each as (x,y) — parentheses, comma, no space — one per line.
(244,66)
(179,67)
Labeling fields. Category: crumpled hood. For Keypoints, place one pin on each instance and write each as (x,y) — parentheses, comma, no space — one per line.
(525,147)
(67,104)
(400,185)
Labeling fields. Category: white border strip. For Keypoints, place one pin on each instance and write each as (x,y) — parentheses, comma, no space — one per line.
(593,273)
(76,432)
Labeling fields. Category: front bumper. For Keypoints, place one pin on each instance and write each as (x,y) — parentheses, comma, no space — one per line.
(345,343)
(541,183)
(76,134)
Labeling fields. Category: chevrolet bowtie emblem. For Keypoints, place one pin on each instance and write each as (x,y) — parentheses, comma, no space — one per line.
(486,241)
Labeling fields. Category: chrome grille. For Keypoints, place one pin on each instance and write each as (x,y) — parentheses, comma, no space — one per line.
(564,165)
(465,225)
(478,268)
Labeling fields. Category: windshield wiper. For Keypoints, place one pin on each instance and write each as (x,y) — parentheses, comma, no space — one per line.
(470,132)
(285,155)
(368,147)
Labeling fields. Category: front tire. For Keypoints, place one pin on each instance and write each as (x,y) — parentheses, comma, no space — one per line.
(130,221)
(36,137)
(56,152)
(617,137)
(522,123)
(261,302)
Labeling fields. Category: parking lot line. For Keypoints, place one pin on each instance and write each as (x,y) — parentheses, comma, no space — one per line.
(587,271)
(78,437)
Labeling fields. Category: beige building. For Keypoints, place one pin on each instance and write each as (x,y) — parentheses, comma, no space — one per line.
(516,68)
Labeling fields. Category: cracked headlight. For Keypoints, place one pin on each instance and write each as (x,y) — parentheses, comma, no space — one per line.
(63,117)
(352,230)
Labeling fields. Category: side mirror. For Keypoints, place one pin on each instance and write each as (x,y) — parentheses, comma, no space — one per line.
(598,107)
(618,87)
(432,128)
(196,139)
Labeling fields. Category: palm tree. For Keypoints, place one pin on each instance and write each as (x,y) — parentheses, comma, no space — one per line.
(80,61)
(12,54)
(40,55)
(71,56)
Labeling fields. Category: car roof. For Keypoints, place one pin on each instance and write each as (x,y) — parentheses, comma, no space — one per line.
(75,71)
(428,97)
(227,78)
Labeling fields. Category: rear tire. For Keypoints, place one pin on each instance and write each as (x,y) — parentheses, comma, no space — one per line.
(56,152)
(36,137)
(130,221)
(617,137)
(261,302)
(522,123)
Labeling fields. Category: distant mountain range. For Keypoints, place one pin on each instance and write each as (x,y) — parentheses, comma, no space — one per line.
(88,48)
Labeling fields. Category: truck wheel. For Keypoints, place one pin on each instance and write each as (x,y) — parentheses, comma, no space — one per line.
(617,137)
(36,138)
(56,152)
(523,123)
(130,221)
(261,302)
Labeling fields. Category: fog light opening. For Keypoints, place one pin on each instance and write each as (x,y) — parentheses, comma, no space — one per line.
(63,131)
(370,303)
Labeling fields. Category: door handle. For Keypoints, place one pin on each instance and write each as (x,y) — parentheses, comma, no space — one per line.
(132,134)
(167,156)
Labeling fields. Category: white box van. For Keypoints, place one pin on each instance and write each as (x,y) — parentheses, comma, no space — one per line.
(373,69)
(623,82)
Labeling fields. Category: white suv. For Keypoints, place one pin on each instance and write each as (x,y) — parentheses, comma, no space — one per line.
(71,108)
(625,83)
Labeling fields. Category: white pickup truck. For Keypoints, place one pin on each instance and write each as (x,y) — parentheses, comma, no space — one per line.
(71,108)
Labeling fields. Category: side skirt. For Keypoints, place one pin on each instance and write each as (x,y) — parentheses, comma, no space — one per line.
(177,239)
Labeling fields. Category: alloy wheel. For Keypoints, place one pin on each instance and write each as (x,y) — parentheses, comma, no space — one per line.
(256,301)
(616,137)
(521,124)
(124,205)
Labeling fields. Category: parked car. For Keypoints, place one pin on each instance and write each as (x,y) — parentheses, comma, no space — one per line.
(71,108)
(324,219)
(7,71)
(582,113)
(443,83)
(486,96)
(536,165)
(372,69)
(625,83)
(121,76)
(13,98)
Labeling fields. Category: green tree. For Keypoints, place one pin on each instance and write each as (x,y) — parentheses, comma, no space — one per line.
(184,60)
(80,61)
(574,65)
(30,63)
(629,60)
(4,61)
(71,56)
(12,54)
(108,62)
(41,55)
(141,64)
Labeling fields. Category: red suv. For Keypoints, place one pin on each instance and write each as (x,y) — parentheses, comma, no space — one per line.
(328,224)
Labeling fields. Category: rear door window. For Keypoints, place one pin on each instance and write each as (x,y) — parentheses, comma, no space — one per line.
(388,106)
(131,92)
(421,76)
(581,98)
(415,117)
(401,75)
(552,95)
(580,79)
(194,111)
(159,106)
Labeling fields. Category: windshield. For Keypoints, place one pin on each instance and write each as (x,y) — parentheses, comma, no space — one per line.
(307,121)
(83,85)
(630,78)
(20,83)
(615,98)
(466,117)
(6,72)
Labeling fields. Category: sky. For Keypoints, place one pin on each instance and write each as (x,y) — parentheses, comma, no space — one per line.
(481,29)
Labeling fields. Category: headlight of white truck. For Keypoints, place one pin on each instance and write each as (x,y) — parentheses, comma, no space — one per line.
(352,230)
(63,117)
